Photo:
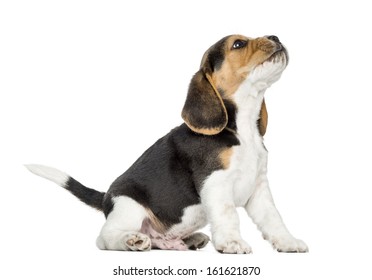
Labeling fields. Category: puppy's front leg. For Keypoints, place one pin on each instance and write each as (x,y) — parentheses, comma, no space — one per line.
(217,198)
(262,210)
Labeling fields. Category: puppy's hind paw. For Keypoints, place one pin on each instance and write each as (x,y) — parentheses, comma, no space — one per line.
(137,241)
(196,241)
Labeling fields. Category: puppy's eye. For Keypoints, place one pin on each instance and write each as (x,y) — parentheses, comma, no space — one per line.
(238,44)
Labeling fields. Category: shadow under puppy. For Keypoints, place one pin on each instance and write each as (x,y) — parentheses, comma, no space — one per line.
(202,170)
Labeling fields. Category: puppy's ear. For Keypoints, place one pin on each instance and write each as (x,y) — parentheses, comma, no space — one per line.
(262,122)
(204,111)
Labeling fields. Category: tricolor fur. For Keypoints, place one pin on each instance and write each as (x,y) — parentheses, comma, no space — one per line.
(202,170)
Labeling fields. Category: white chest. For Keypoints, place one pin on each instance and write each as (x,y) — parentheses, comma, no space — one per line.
(248,162)
(249,159)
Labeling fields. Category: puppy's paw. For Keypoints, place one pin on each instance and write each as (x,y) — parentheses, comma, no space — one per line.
(137,241)
(288,244)
(238,246)
(197,240)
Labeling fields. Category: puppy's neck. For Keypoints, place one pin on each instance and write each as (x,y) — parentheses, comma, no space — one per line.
(248,99)
(249,96)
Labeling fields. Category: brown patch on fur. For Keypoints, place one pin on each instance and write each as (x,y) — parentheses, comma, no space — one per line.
(225,157)
(204,131)
(262,122)
(155,222)
(239,62)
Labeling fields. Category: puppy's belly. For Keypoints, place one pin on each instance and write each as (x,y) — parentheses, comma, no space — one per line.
(193,219)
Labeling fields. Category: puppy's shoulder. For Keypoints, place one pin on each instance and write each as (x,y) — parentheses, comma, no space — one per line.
(202,154)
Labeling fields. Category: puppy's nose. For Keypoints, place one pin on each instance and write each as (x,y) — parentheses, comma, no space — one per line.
(273,38)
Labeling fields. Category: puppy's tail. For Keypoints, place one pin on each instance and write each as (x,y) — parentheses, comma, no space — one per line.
(89,196)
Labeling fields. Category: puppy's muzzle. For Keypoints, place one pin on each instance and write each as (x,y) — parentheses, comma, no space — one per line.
(280,49)
(275,39)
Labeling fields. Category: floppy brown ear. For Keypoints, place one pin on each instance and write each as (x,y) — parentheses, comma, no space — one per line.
(204,111)
(262,122)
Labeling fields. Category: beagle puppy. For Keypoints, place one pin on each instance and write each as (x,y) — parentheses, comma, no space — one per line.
(202,170)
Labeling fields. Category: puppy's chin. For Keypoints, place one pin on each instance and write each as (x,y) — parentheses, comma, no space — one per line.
(280,56)
(270,70)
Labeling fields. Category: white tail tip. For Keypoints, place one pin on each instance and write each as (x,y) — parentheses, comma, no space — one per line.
(50,173)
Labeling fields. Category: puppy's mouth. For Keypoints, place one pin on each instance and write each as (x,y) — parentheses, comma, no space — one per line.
(279,54)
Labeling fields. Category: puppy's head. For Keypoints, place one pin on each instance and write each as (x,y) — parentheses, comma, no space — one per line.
(224,67)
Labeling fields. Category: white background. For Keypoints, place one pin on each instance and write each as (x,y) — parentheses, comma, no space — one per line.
(87,86)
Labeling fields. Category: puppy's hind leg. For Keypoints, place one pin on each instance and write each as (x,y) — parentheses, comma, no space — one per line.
(122,228)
